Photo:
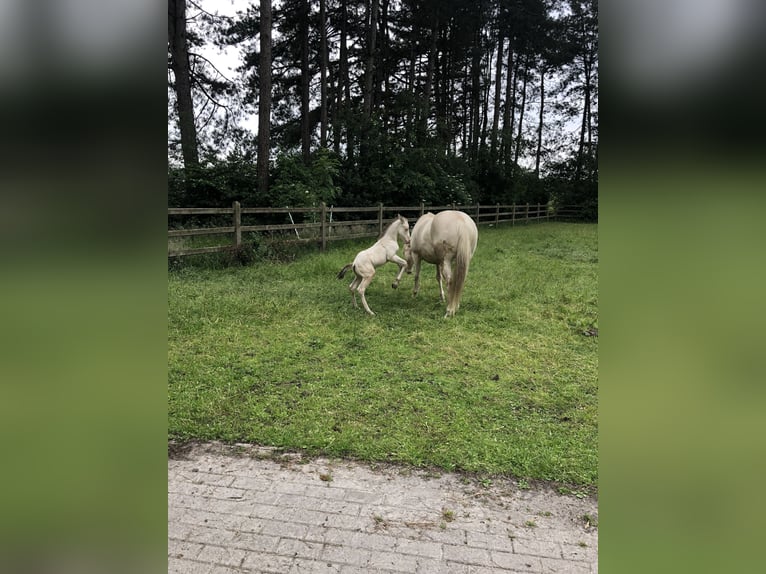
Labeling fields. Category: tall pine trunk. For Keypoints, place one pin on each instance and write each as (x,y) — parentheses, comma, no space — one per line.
(344,90)
(475,93)
(510,93)
(498,91)
(540,124)
(466,119)
(371,52)
(305,84)
(428,88)
(383,87)
(487,81)
(412,109)
(264,98)
(517,149)
(323,72)
(585,126)
(179,63)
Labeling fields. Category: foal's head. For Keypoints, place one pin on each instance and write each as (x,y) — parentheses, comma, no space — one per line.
(404,228)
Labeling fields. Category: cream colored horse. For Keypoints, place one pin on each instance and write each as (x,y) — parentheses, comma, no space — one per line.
(443,239)
(382,251)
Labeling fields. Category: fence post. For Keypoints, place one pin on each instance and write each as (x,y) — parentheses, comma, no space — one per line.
(513,215)
(323,215)
(538,211)
(380,219)
(526,215)
(237,211)
(478,212)
(497,214)
(422,208)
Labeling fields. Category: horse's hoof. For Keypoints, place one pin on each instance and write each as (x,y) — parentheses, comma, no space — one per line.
(394,285)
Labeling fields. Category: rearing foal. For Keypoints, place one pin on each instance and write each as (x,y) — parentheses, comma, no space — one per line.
(382,251)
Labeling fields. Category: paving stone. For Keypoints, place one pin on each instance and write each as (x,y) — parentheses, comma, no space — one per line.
(231,513)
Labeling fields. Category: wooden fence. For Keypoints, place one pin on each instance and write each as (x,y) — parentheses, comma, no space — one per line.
(325,226)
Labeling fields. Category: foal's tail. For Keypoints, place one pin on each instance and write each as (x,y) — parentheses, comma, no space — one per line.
(464,248)
(342,272)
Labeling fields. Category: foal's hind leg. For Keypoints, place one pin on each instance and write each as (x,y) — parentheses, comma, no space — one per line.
(353,287)
(362,288)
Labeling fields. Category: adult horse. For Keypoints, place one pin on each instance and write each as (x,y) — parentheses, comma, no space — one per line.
(445,239)
(383,250)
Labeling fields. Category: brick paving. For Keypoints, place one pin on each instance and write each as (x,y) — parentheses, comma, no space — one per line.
(251,509)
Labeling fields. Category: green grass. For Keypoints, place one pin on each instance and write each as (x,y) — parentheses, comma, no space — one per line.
(275,353)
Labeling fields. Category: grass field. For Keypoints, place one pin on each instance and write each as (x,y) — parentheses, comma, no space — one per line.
(275,353)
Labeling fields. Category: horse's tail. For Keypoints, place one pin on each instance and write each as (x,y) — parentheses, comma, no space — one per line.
(342,272)
(463,252)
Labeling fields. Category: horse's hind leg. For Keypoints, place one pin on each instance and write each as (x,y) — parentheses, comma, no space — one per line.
(439,281)
(416,287)
(446,272)
(447,278)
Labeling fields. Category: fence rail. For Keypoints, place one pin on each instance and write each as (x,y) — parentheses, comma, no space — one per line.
(326,224)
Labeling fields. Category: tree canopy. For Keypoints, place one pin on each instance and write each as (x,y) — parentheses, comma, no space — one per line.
(393,101)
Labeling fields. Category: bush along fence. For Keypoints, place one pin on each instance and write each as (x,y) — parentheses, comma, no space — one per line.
(321,224)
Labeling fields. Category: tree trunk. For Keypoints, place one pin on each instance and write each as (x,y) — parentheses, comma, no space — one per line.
(447,97)
(540,124)
(498,90)
(585,127)
(428,88)
(521,115)
(466,117)
(370,68)
(475,93)
(264,98)
(487,77)
(323,72)
(383,75)
(179,63)
(510,90)
(305,84)
(344,90)
(412,110)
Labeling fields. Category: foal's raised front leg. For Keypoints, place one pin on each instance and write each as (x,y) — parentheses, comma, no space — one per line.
(402,266)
